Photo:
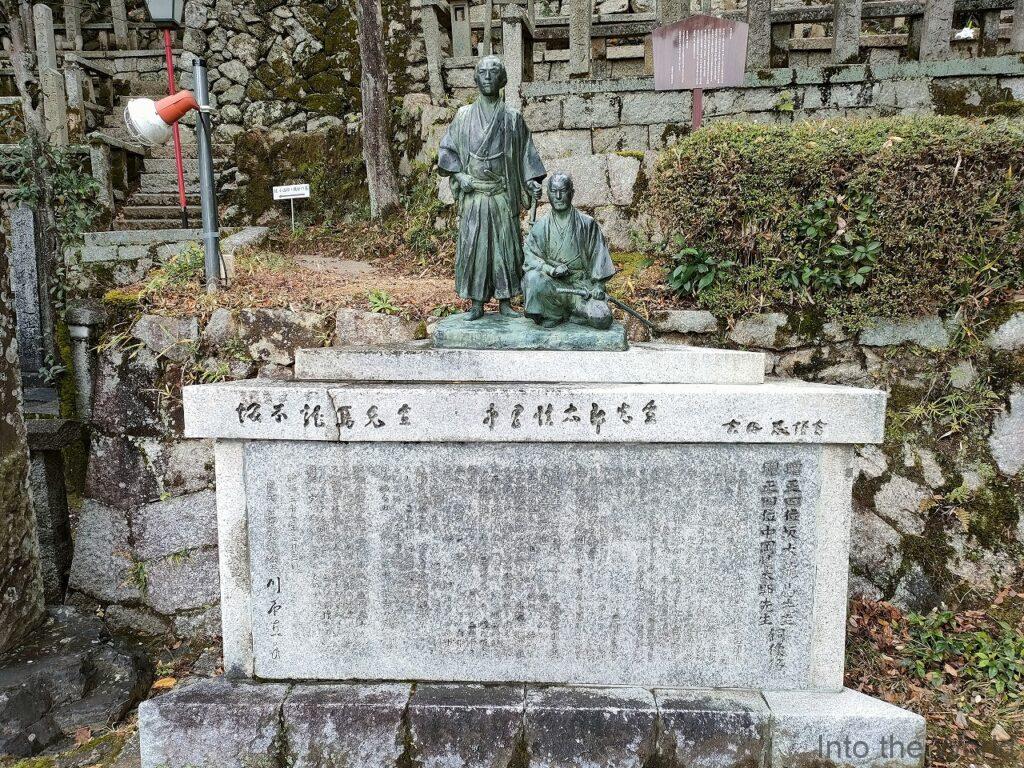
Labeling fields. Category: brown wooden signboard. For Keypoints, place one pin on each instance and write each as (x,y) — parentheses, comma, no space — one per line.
(699,52)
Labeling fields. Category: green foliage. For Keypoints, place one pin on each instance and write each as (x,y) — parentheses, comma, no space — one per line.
(71,193)
(695,270)
(892,216)
(184,267)
(992,660)
(380,301)
(956,412)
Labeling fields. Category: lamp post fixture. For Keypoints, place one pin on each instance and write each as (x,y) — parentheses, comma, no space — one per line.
(166,13)
(153,122)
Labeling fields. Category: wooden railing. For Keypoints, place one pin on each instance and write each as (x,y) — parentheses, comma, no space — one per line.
(923,29)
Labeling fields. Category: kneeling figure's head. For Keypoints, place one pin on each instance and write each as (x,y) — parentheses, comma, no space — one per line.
(560,191)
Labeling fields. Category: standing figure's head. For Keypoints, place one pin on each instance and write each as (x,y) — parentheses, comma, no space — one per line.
(560,191)
(490,75)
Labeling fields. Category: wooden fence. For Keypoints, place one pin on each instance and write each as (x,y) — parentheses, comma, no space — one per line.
(920,30)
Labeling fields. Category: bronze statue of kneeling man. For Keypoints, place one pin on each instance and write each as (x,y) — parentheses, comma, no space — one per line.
(566,264)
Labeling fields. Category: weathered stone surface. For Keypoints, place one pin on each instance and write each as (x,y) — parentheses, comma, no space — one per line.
(69,674)
(758,330)
(1007,439)
(1009,336)
(126,620)
(465,725)
(213,724)
(590,111)
(181,582)
(181,523)
(400,638)
(685,321)
(543,115)
(125,398)
(845,729)
(876,552)
(925,461)
(656,107)
(180,466)
(119,473)
(220,328)
(641,363)
(569,727)
(622,176)
(354,327)
(928,332)
(902,500)
(872,461)
(623,137)
(496,332)
(273,335)
(713,729)
(357,725)
(552,144)
(102,566)
(204,623)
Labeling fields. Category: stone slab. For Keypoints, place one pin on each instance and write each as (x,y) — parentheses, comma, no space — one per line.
(844,729)
(595,564)
(466,725)
(213,724)
(352,725)
(713,729)
(777,412)
(569,727)
(362,724)
(493,331)
(641,363)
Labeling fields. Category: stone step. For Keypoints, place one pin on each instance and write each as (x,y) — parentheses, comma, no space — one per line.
(156,211)
(189,149)
(190,164)
(124,225)
(162,199)
(141,237)
(167,182)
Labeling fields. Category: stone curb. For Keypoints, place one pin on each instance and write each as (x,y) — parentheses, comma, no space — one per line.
(233,724)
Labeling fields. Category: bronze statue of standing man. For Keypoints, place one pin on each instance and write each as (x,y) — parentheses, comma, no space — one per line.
(495,172)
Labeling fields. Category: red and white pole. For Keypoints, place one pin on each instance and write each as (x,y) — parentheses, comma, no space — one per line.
(173,88)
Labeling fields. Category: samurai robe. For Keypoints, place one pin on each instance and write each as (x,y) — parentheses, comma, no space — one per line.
(581,247)
(497,151)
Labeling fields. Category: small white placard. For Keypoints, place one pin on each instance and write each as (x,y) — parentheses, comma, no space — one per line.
(291,192)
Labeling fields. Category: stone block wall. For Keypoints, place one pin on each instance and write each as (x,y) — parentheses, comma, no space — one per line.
(608,133)
(933,518)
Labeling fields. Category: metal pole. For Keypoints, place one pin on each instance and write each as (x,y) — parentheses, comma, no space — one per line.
(207,184)
(173,89)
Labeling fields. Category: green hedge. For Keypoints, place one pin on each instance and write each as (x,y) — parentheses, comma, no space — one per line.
(932,206)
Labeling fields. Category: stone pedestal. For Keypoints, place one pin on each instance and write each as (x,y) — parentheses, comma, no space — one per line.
(576,519)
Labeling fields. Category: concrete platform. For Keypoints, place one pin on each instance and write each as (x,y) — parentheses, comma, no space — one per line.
(242,724)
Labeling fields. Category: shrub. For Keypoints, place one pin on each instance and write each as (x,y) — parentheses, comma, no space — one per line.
(894,216)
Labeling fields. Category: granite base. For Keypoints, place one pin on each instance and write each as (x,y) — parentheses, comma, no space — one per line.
(231,724)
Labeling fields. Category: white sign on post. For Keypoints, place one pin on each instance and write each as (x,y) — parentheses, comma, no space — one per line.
(292,192)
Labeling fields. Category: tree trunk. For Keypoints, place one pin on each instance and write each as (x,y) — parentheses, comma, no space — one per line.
(21,584)
(380,165)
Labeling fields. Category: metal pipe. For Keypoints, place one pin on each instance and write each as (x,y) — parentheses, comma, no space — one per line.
(173,89)
(207,183)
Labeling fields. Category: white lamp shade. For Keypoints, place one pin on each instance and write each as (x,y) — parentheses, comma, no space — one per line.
(145,123)
(166,13)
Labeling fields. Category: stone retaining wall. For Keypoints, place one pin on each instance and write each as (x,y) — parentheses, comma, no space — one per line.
(934,518)
(607,133)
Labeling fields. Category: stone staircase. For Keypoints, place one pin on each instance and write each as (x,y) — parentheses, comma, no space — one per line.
(154,204)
